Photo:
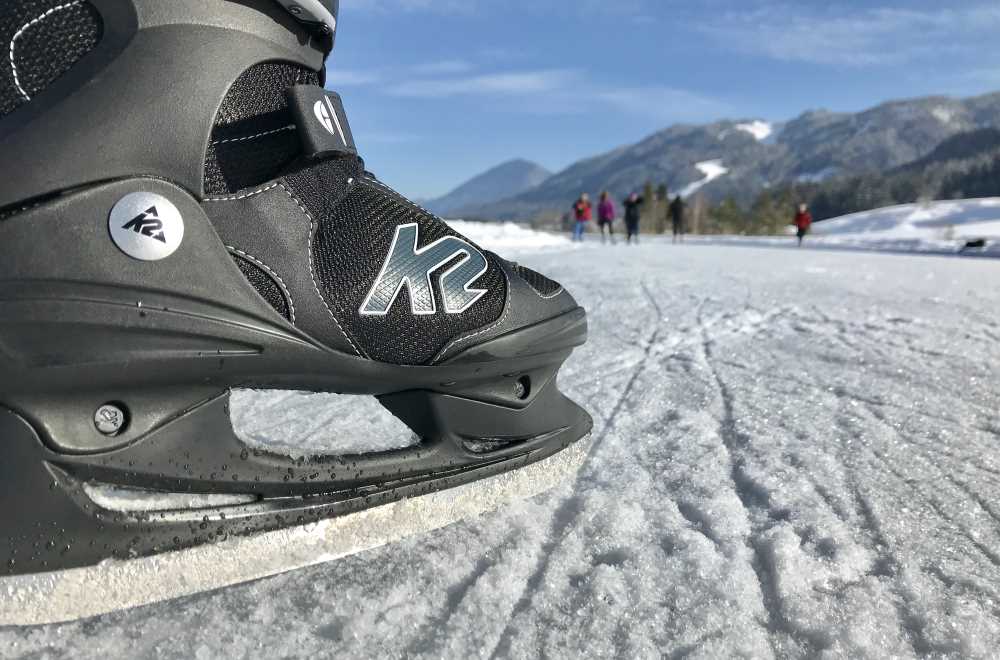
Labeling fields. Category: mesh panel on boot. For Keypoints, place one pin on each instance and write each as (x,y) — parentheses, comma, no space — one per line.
(44,38)
(254,137)
(265,285)
(541,284)
(232,166)
(351,244)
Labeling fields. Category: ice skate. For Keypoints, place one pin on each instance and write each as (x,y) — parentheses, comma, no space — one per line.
(183,212)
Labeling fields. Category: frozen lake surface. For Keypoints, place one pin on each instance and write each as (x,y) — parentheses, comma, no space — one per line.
(795,453)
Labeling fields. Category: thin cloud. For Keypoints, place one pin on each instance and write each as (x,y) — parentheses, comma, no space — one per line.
(381,137)
(989,76)
(666,104)
(558,92)
(516,83)
(860,38)
(336,78)
(580,8)
(443,67)
(435,6)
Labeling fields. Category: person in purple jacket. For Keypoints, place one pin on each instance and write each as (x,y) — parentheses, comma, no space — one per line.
(606,216)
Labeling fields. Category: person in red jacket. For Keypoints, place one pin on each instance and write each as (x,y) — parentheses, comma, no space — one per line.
(803,221)
(582,210)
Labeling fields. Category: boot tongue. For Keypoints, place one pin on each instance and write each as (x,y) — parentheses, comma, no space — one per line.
(321,121)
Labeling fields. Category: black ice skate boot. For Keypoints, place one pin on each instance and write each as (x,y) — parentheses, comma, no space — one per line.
(183,212)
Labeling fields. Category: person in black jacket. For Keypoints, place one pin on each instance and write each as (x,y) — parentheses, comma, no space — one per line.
(677,218)
(632,206)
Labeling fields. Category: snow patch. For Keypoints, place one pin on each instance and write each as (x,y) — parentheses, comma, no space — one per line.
(115,498)
(943,114)
(712,169)
(967,218)
(761,130)
(499,236)
(944,226)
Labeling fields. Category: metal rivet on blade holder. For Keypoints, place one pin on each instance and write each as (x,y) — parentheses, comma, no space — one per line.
(109,419)
(519,389)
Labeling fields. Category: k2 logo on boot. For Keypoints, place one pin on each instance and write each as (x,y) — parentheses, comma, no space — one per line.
(148,223)
(406,266)
(320,120)
(327,116)
(146,226)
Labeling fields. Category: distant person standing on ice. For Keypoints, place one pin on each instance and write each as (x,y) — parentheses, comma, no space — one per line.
(606,216)
(803,221)
(632,205)
(583,213)
(677,218)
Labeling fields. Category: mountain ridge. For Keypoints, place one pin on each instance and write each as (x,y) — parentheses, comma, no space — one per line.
(506,179)
(816,145)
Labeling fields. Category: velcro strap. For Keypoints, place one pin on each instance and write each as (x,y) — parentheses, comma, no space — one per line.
(321,120)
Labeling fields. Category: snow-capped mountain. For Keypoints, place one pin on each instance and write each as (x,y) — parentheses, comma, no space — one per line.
(760,129)
(505,180)
(742,157)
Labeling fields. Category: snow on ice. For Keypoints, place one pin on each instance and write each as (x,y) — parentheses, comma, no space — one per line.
(795,455)
(504,236)
(944,220)
(944,227)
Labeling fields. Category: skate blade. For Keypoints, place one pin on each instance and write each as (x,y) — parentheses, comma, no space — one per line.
(113,585)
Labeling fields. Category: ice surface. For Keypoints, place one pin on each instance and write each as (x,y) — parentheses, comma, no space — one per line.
(299,424)
(795,454)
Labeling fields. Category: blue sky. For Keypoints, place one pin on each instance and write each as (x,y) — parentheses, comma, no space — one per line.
(440,90)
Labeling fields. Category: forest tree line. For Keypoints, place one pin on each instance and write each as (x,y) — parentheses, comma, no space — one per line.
(962,167)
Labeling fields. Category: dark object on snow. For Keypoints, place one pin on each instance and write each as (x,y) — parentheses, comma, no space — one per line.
(677,218)
(271,259)
(633,206)
(974,244)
